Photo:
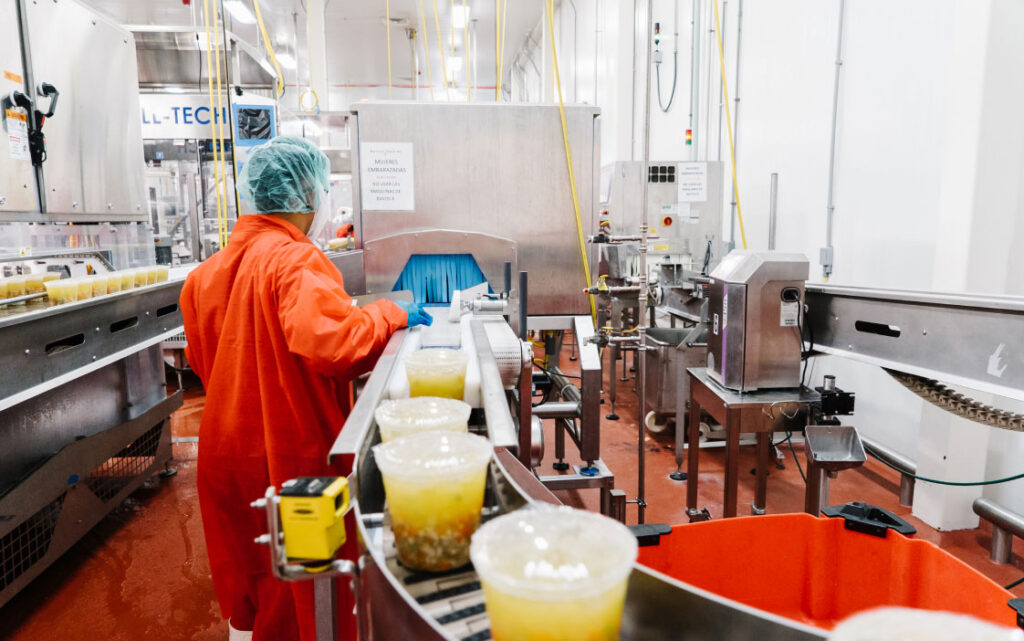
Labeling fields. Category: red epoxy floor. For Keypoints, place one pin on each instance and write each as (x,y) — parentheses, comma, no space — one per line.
(142,573)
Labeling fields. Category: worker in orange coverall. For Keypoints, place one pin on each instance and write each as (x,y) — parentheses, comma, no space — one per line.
(276,342)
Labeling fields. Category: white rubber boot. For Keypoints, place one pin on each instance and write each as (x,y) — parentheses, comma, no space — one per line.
(238,635)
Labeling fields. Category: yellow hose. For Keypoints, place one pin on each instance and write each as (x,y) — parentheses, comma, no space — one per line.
(465,47)
(728,120)
(451,29)
(501,55)
(440,47)
(223,184)
(213,118)
(497,50)
(426,47)
(270,48)
(568,154)
(387,25)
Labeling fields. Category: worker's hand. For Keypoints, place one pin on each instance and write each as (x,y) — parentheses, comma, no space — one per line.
(416,314)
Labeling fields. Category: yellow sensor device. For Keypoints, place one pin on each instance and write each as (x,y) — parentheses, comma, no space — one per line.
(313,516)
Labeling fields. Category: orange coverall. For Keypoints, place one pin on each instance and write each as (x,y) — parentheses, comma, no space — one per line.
(276,342)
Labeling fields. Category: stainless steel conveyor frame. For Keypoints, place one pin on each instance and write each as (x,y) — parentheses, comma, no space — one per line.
(83,419)
(396,603)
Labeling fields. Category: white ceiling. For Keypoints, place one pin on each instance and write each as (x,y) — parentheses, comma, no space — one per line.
(356,34)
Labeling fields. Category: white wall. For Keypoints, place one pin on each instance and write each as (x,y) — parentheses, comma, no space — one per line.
(929,163)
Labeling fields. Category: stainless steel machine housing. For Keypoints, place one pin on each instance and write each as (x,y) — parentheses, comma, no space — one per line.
(755,315)
(495,173)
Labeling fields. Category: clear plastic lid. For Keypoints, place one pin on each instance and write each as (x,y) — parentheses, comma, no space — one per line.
(553,553)
(433,455)
(436,360)
(405,416)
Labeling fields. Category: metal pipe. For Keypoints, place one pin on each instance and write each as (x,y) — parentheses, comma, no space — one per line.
(523,332)
(414,61)
(907,482)
(721,86)
(773,210)
(694,75)
(736,119)
(826,257)
(1005,525)
(557,409)
(642,302)
(500,427)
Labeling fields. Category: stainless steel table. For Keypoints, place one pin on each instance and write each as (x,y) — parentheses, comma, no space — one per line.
(760,412)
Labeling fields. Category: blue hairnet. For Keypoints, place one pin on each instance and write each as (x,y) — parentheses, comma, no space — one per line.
(286,174)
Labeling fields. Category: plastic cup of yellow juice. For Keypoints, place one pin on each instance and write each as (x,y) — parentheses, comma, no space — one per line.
(434,483)
(405,416)
(151,274)
(554,574)
(15,286)
(99,285)
(163,273)
(84,287)
(55,291)
(437,372)
(127,279)
(141,277)
(113,282)
(34,283)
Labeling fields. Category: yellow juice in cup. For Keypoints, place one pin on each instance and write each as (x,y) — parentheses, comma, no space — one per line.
(554,574)
(34,283)
(437,372)
(151,274)
(56,291)
(99,285)
(434,482)
(140,276)
(127,279)
(84,288)
(163,273)
(15,286)
(113,282)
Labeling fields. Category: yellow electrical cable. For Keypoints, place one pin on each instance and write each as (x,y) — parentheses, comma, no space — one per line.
(451,29)
(426,47)
(223,186)
(568,154)
(213,115)
(497,49)
(270,48)
(501,56)
(440,47)
(465,47)
(728,120)
(387,25)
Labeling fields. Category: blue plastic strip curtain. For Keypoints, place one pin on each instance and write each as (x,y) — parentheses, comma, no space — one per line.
(433,278)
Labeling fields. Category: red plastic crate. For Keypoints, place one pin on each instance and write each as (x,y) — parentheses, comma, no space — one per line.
(817,572)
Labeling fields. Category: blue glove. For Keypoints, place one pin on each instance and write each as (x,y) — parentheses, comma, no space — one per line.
(415,313)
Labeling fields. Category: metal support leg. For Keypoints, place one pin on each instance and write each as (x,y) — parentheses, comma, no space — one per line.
(560,463)
(732,462)
(325,608)
(761,488)
(906,490)
(613,353)
(1002,545)
(617,505)
(816,494)
(692,459)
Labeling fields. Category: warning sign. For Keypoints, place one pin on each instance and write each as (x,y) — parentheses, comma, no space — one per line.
(386,174)
(17,134)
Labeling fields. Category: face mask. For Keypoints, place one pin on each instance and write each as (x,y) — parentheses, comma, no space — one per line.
(320,220)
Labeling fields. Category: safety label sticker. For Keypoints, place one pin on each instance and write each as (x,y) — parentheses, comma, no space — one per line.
(17,134)
(386,173)
(13,77)
(692,182)
(789,314)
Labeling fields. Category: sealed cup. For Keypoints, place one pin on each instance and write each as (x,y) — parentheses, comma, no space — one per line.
(434,483)
(404,416)
(437,372)
(557,574)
